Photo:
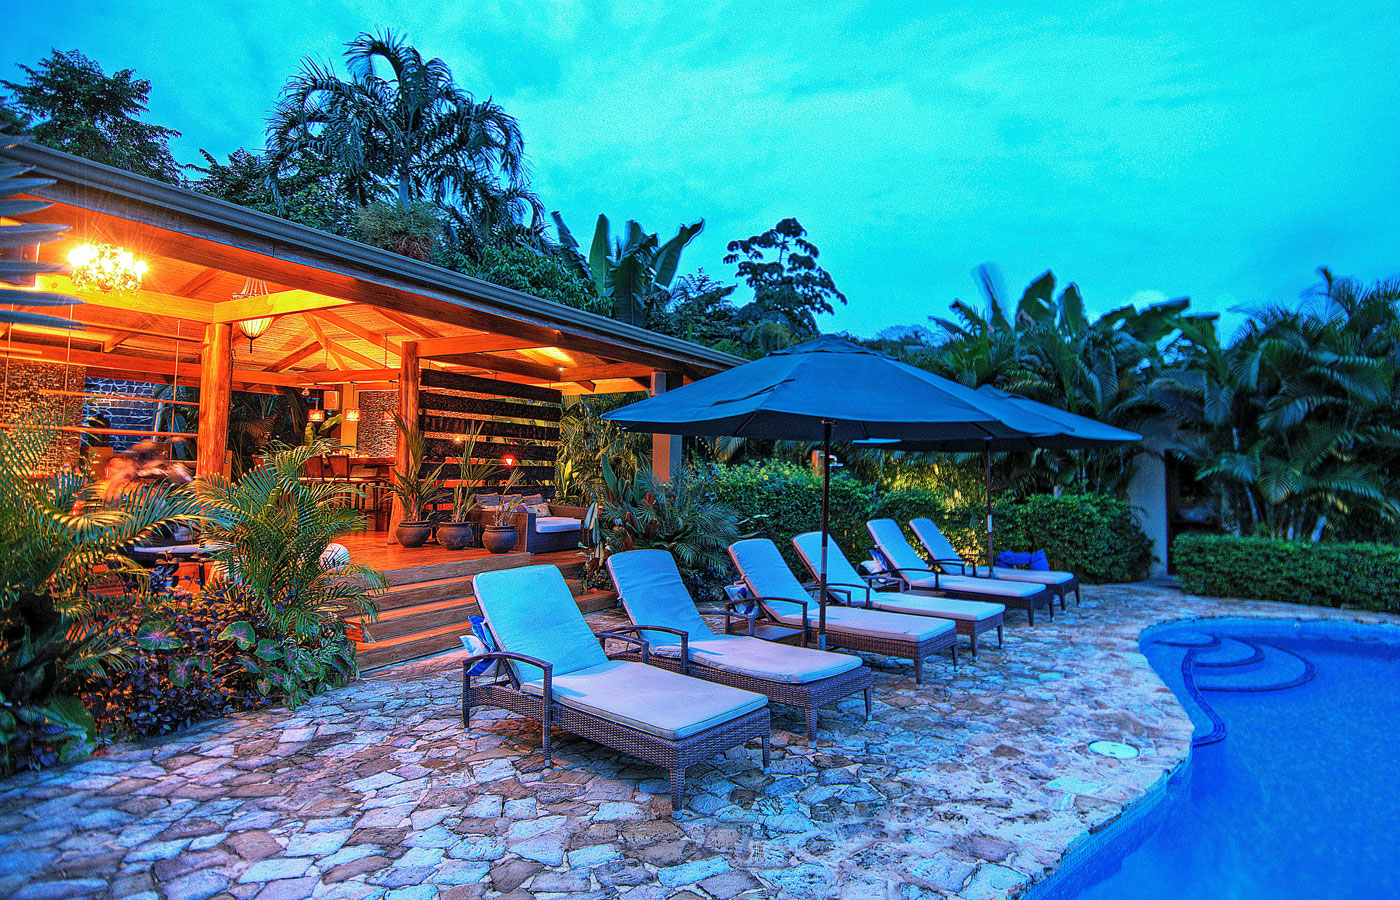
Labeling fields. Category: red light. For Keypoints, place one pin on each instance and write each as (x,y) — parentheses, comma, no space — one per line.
(510,460)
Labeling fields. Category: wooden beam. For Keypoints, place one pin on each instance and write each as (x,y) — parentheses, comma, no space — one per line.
(341,376)
(215,395)
(408,323)
(198,283)
(134,301)
(409,375)
(278,304)
(600,372)
(359,331)
(115,341)
(472,343)
(145,364)
(513,365)
(340,352)
(295,356)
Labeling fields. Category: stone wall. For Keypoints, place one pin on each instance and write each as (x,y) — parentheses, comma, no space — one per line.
(25,397)
(137,412)
(374,436)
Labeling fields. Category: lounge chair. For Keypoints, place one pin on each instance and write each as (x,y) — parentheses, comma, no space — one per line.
(904,562)
(653,594)
(947,559)
(782,598)
(970,617)
(558,674)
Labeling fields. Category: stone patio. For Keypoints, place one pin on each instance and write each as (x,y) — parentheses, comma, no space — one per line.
(971,787)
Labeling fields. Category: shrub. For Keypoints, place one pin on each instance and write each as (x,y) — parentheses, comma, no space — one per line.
(781,500)
(410,230)
(1093,535)
(1362,576)
(963,526)
(535,273)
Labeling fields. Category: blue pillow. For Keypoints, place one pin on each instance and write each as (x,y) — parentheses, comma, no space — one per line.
(480,641)
(1040,562)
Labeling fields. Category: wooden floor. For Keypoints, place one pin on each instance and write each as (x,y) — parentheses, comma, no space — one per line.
(430,593)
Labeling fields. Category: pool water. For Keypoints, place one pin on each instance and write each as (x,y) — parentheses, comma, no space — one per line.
(1293,787)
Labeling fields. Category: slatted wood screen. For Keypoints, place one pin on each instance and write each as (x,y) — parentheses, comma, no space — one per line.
(516,420)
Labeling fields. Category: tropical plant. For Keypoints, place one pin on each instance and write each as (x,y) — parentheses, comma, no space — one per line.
(269,540)
(638,512)
(472,473)
(586,439)
(504,510)
(15,269)
(533,272)
(416,490)
(406,136)
(789,287)
(410,229)
(306,190)
(70,104)
(633,271)
(61,544)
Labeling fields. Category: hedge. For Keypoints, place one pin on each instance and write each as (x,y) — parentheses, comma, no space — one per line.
(1360,576)
(1095,536)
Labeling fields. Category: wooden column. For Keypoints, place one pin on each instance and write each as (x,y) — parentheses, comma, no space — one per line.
(665,448)
(215,394)
(408,408)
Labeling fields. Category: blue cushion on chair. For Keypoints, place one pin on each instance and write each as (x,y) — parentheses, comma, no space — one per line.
(1040,562)
(480,641)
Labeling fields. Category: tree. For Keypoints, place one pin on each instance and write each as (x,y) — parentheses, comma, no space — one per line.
(697,308)
(533,272)
(308,192)
(409,135)
(632,271)
(70,104)
(789,288)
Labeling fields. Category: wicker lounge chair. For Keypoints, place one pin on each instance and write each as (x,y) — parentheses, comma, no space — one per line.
(653,594)
(558,674)
(782,598)
(905,563)
(970,617)
(948,560)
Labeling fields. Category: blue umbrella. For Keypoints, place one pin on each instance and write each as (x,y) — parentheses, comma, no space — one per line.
(829,389)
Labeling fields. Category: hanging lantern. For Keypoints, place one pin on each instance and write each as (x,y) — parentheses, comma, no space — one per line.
(317,415)
(253,328)
(102,267)
(352,415)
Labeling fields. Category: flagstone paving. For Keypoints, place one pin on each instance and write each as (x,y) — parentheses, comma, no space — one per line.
(971,787)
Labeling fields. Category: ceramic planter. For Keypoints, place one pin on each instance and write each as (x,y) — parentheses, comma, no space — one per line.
(455,535)
(413,534)
(499,538)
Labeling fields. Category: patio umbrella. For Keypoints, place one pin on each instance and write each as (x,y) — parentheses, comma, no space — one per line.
(824,390)
(1048,428)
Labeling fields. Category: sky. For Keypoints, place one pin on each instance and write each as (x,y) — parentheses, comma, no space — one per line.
(1145,150)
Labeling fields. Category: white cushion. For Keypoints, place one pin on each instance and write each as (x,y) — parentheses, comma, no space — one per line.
(666,704)
(992,587)
(894,546)
(653,593)
(554,524)
(839,571)
(1033,576)
(531,611)
(939,607)
(763,659)
(874,623)
(767,576)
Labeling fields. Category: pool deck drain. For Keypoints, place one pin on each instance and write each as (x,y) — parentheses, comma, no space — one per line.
(970,787)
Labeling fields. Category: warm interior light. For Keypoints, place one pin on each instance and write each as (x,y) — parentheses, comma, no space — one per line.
(255,328)
(316,415)
(509,460)
(388,416)
(102,267)
(352,415)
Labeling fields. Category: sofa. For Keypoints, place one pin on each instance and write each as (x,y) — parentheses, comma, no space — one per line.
(540,525)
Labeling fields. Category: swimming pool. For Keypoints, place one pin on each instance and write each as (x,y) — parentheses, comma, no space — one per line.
(1293,786)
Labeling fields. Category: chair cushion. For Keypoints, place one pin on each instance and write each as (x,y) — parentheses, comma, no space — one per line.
(875,623)
(992,587)
(553,524)
(839,570)
(1033,576)
(939,607)
(767,575)
(764,659)
(933,540)
(894,546)
(666,704)
(652,592)
(531,611)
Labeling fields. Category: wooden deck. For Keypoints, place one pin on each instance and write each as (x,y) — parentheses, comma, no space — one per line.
(430,594)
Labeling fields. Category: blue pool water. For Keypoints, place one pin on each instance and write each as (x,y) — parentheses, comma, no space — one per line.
(1293,787)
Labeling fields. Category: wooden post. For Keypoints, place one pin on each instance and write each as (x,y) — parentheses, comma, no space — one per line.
(408,408)
(215,394)
(665,448)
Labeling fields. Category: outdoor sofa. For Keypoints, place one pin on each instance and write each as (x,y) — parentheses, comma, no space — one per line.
(541,526)
(947,559)
(902,561)
(970,617)
(657,601)
(557,673)
(781,598)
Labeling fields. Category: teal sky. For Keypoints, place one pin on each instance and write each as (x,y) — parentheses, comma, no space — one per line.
(1221,150)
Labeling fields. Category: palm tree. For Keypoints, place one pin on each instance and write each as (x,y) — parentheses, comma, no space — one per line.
(411,134)
(16,238)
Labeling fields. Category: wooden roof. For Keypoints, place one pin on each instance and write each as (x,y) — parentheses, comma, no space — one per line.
(341,308)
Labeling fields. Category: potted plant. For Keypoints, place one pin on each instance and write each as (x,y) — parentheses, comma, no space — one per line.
(501,537)
(416,492)
(457,534)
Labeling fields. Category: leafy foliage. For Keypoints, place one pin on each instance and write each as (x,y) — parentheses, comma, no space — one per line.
(1093,535)
(70,104)
(416,490)
(586,440)
(632,270)
(409,229)
(1359,576)
(532,272)
(14,236)
(306,190)
(789,287)
(61,543)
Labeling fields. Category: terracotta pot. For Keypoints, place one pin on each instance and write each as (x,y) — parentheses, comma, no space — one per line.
(413,534)
(499,538)
(455,535)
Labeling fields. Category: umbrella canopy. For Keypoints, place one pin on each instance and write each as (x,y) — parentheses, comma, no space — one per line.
(790,394)
(828,389)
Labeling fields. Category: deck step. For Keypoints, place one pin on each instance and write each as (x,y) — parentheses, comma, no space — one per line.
(411,646)
(463,568)
(422,617)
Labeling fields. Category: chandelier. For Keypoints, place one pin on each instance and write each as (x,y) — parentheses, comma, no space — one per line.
(102,267)
(253,328)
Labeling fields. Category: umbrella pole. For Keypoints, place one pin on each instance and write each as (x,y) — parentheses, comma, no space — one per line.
(826,501)
(991,550)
